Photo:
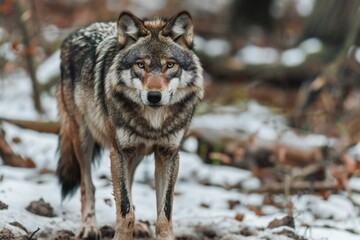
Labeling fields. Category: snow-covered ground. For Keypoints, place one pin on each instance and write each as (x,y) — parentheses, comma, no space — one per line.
(200,212)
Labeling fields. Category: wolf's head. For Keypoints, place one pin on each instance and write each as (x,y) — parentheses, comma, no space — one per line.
(157,65)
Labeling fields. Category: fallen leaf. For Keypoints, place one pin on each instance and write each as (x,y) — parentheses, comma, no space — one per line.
(239,217)
(256,210)
(285,221)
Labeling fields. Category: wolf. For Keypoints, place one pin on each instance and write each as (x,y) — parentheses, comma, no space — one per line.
(131,86)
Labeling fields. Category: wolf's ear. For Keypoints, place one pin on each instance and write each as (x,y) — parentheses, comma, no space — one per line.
(181,29)
(129,27)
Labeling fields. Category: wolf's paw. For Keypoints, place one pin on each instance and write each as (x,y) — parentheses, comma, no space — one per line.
(142,230)
(89,232)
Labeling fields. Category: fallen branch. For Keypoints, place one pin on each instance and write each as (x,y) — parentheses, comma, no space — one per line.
(234,145)
(10,158)
(43,127)
(296,187)
(227,68)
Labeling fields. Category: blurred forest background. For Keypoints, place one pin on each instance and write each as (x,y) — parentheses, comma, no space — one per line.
(299,58)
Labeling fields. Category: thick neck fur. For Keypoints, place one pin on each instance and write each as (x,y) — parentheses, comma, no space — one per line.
(156,117)
(151,123)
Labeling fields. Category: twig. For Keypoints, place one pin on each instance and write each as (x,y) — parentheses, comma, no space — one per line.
(32,235)
(287,185)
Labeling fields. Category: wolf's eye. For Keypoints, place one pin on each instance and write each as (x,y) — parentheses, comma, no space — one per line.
(141,65)
(170,65)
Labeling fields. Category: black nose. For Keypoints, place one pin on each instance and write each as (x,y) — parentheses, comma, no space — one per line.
(154,97)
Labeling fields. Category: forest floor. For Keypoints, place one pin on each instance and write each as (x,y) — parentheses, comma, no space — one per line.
(204,208)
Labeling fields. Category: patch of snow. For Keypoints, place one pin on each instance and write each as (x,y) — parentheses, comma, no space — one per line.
(305,142)
(311,45)
(357,54)
(7,52)
(354,152)
(216,47)
(2,33)
(49,68)
(190,144)
(277,8)
(51,33)
(251,183)
(252,54)
(304,7)
(292,57)
(199,43)
(211,6)
(354,183)
(327,233)
(268,127)
(151,5)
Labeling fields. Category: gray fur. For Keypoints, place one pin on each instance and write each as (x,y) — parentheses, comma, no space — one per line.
(108,69)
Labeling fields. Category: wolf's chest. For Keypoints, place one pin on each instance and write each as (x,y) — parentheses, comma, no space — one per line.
(155,117)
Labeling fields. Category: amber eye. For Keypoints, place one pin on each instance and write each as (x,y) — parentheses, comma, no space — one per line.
(141,65)
(170,65)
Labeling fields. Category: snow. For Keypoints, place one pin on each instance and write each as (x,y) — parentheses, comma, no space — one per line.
(190,144)
(211,6)
(49,68)
(6,51)
(216,47)
(315,218)
(2,33)
(292,57)
(199,43)
(151,5)
(304,7)
(259,120)
(51,33)
(311,45)
(357,54)
(252,54)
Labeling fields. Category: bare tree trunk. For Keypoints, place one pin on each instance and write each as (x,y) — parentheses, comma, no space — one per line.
(331,20)
(336,80)
(29,59)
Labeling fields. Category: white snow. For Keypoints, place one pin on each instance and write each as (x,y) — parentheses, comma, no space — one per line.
(311,45)
(292,57)
(51,33)
(357,54)
(268,127)
(7,52)
(190,144)
(216,47)
(49,68)
(252,54)
(211,6)
(2,33)
(304,7)
(199,43)
(151,5)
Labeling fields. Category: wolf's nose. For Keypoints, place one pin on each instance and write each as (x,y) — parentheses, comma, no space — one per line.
(154,97)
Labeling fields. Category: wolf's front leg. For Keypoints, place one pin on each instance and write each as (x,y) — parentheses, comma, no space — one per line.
(121,168)
(166,171)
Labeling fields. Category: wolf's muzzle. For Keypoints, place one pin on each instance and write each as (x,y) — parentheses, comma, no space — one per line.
(154,97)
